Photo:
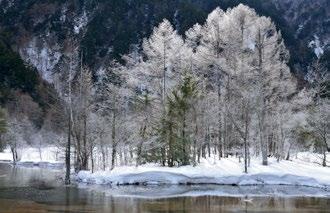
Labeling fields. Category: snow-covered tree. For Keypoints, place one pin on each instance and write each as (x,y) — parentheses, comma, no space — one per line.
(319,124)
(113,104)
(274,80)
(224,88)
(84,102)
(319,78)
(163,50)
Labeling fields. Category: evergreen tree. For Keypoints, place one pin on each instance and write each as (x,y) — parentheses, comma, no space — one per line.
(176,129)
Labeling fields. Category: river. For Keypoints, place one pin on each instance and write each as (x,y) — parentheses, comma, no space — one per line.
(33,189)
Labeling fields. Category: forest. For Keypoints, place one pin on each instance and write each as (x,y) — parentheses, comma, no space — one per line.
(223,89)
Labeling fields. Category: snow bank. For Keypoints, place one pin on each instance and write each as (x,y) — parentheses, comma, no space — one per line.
(6,155)
(225,172)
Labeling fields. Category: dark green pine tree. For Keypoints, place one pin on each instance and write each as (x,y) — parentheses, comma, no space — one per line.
(176,131)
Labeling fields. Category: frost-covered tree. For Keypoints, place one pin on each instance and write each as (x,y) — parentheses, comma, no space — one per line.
(274,81)
(223,89)
(144,120)
(240,59)
(15,135)
(101,130)
(163,50)
(319,78)
(113,104)
(64,107)
(207,43)
(319,124)
(82,101)
(240,86)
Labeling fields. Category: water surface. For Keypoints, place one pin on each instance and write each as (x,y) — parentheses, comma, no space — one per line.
(41,190)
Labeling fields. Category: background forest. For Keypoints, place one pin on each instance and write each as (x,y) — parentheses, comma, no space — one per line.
(111,90)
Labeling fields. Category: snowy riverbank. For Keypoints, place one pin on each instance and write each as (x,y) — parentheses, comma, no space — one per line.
(302,171)
(29,156)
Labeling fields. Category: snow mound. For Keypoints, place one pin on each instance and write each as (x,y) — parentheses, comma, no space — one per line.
(143,178)
(228,171)
(162,178)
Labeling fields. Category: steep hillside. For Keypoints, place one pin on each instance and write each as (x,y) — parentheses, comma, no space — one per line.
(44,32)
(22,90)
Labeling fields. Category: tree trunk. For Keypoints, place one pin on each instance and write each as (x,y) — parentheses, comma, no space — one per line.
(92,157)
(163,154)
(67,155)
(139,153)
(249,156)
(78,153)
(139,148)
(208,142)
(324,163)
(199,155)
(39,149)
(263,142)
(170,160)
(262,102)
(113,156)
(114,144)
(103,156)
(219,119)
(14,153)
(185,145)
(84,165)
(125,156)
(203,151)
(195,140)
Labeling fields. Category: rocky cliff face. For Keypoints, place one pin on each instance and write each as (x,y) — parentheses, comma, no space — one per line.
(308,25)
(45,33)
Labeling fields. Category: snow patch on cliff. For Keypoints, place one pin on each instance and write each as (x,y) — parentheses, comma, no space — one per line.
(80,22)
(41,56)
(316,45)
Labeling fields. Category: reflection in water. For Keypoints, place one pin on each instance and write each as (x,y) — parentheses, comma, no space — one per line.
(183,204)
(20,177)
(225,204)
(167,191)
(38,190)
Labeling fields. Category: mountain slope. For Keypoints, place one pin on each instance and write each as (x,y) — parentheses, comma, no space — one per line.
(44,32)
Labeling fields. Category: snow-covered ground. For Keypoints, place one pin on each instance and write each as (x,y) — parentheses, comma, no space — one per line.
(304,170)
(46,156)
(301,171)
